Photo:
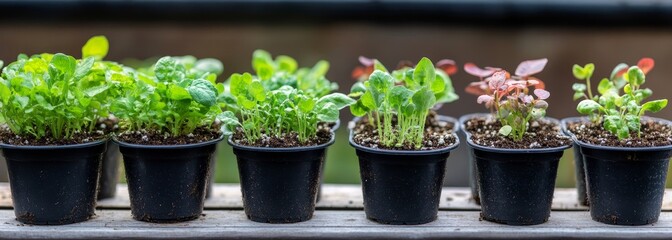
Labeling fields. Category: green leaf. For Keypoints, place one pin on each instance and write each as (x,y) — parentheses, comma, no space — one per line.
(93,91)
(377,65)
(209,65)
(438,85)
(635,76)
(653,106)
(505,130)
(627,89)
(177,93)
(358,109)
(381,82)
(5,94)
(424,73)
(83,68)
(229,122)
(328,113)
(22,101)
(338,99)
(257,90)
(368,101)
(306,104)
(606,87)
(167,69)
(578,95)
(320,69)
(588,106)
(64,64)
(579,72)
(286,63)
(399,96)
(579,87)
(203,92)
(96,47)
(357,89)
(263,64)
(423,99)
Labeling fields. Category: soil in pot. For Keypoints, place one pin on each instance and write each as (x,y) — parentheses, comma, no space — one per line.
(42,177)
(625,178)
(279,177)
(403,187)
(166,183)
(516,179)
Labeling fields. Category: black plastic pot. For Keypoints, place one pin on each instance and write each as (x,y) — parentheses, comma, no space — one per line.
(579,170)
(516,185)
(473,182)
(279,185)
(402,187)
(109,176)
(54,185)
(166,183)
(625,185)
(337,124)
(211,174)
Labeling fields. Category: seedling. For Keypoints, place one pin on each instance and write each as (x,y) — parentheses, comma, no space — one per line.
(56,95)
(278,112)
(172,100)
(508,96)
(407,94)
(284,71)
(619,114)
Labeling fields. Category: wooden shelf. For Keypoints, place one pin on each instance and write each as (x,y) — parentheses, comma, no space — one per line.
(339,216)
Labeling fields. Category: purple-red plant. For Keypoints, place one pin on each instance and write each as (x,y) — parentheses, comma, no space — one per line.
(509,97)
(524,71)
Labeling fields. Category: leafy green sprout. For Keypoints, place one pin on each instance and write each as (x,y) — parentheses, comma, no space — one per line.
(381,99)
(285,71)
(56,95)
(175,99)
(620,114)
(278,112)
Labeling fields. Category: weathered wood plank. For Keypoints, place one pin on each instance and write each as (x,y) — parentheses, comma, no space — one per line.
(335,196)
(346,224)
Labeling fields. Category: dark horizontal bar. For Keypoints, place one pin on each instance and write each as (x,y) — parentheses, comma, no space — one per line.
(480,12)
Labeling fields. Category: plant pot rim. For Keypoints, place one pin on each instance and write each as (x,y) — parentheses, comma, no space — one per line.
(178,146)
(336,126)
(285,149)
(576,140)
(507,150)
(456,128)
(53,147)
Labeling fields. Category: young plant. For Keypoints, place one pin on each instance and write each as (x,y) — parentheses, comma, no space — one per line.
(619,114)
(508,96)
(445,93)
(56,95)
(382,100)
(278,112)
(174,99)
(284,71)
(524,72)
(609,88)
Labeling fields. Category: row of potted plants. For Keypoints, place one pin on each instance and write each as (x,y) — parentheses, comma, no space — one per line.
(280,121)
